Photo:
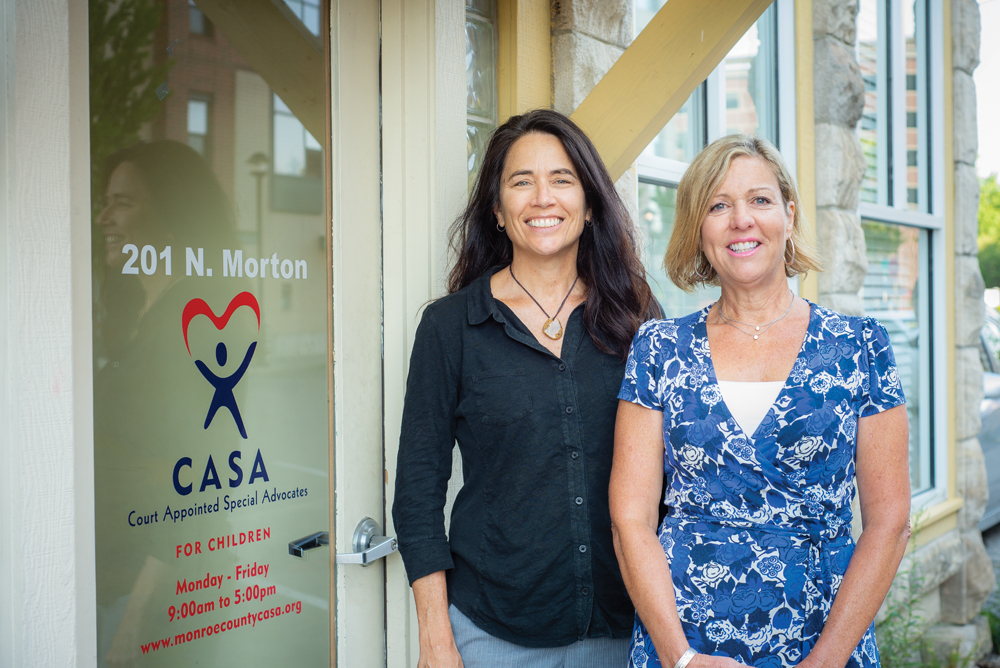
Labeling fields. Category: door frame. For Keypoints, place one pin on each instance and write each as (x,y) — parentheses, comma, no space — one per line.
(425,176)
(356,596)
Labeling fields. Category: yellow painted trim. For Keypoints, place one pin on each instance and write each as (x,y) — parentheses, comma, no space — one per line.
(289,58)
(949,247)
(524,56)
(934,522)
(675,52)
(805,123)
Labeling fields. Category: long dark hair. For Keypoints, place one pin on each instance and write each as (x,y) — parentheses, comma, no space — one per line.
(618,297)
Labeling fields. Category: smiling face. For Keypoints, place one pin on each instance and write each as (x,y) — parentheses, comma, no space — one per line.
(542,205)
(127,214)
(744,232)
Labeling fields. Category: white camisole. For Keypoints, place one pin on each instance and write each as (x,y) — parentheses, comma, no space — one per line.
(749,401)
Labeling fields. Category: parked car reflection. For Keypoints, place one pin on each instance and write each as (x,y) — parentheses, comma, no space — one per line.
(989,412)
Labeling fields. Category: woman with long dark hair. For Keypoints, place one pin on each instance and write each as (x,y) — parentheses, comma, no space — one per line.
(521,365)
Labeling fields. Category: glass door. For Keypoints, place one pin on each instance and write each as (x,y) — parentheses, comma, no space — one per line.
(210,148)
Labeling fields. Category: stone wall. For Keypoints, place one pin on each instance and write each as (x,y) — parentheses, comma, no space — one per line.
(840,162)
(963,594)
(588,37)
(956,572)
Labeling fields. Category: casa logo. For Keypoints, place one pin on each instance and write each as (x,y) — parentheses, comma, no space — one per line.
(224,385)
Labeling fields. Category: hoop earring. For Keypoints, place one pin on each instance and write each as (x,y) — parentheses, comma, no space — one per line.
(501,228)
(792,243)
(589,223)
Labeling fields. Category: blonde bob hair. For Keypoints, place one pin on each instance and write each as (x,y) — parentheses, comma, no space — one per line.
(684,261)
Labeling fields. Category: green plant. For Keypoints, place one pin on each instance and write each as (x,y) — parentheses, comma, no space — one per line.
(994,621)
(900,636)
(123,74)
(991,610)
(989,230)
(955,659)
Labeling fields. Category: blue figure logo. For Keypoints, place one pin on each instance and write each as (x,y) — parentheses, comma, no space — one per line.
(224,385)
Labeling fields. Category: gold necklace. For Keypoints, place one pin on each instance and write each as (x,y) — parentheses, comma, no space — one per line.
(757,328)
(552,327)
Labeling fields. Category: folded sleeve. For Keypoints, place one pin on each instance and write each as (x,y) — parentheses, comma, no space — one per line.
(884,388)
(643,369)
(426,440)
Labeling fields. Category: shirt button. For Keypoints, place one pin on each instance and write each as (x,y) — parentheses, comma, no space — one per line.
(569,409)
(583,548)
(562,367)
(579,500)
(585,591)
(574,454)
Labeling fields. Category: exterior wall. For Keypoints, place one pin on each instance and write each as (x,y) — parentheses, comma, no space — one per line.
(46,444)
(956,573)
(46,496)
(588,36)
(840,163)
(963,594)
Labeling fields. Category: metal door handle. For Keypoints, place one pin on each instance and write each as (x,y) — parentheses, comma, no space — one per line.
(297,547)
(369,544)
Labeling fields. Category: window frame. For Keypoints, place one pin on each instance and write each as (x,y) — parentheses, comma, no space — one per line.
(665,172)
(293,193)
(481,122)
(931,98)
(206,99)
(659,171)
(208,28)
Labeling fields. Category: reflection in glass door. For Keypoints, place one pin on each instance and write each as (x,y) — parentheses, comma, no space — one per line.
(210,331)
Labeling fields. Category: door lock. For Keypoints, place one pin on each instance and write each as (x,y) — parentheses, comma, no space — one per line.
(369,544)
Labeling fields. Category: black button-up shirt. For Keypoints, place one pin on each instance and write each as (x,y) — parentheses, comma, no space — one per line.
(529,556)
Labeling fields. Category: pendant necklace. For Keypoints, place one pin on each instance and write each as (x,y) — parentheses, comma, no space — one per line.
(552,327)
(757,328)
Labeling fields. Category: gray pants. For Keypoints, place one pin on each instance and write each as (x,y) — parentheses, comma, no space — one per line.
(481,650)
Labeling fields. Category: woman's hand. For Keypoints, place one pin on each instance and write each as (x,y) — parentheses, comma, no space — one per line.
(707,661)
(634,496)
(437,647)
(437,642)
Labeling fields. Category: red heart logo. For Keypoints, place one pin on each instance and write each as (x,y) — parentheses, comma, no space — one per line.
(199,306)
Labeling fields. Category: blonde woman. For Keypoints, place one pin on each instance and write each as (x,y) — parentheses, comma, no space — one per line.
(762,411)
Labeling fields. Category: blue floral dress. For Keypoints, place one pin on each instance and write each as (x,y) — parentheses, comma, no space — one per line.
(758,534)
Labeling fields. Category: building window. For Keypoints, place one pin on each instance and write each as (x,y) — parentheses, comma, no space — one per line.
(198,23)
(741,95)
(198,124)
(902,216)
(895,293)
(892,53)
(308,12)
(297,171)
(480,80)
